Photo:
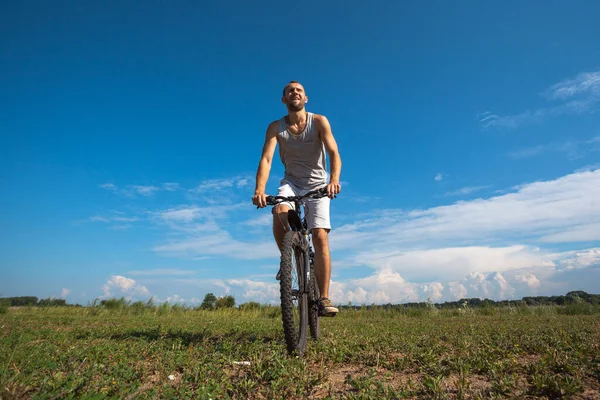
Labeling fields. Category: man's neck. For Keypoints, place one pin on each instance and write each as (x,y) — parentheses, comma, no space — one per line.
(296,117)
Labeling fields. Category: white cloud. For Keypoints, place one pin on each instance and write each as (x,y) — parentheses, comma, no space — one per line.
(466,190)
(120,227)
(170,186)
(186,214)
(513,121)
(64,292)
(571,149)
(457,291)
(242,183)
(562,207)
(529,151)
(175,299)
(117,221)
(579,259)
(108,186)
(529,279)
(578,95)
(145,190)
(577,233)
(385,286)
(123,285)
(584,83)
(98,218)
(452,263)
(262,292)
(438,177)
(214,185)
(218,185)
(433,291)
(218,242)
(265,220)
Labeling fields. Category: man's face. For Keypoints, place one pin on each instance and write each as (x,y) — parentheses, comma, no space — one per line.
(294,97)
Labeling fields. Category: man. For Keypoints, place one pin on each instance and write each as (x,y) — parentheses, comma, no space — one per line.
(303,140)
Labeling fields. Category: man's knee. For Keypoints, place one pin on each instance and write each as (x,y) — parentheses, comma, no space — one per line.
(320,236)
(280,216)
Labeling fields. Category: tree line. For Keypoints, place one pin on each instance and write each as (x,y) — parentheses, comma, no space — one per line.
(212,302)
(573,297)
(23,301)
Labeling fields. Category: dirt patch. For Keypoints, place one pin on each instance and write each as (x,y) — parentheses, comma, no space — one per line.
(148,384)
(337,375)
(236,371)
(335,380)
(588,394)
(591,391)
(528,359)
(471,383)
(14,391)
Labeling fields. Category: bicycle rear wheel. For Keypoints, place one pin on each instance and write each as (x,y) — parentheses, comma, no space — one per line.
(294,300)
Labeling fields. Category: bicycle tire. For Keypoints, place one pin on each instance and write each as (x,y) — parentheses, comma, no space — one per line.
(313,310)
(292,262)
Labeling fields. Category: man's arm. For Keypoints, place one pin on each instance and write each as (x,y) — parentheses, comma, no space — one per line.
(264,166)
(335,161)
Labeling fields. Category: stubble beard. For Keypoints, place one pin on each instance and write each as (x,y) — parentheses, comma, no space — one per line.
(294,108)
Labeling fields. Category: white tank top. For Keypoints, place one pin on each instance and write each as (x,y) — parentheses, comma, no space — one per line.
(302,155)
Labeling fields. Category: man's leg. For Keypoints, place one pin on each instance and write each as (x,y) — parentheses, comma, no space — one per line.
(280,223)
(322,259)
(280,218)
(318,222)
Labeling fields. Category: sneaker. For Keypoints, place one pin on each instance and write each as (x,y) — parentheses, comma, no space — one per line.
(278,276)
(326,308)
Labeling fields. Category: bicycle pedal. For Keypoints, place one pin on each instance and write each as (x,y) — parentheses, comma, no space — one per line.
(326,314)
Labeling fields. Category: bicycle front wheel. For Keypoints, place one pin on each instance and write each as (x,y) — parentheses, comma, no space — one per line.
(294,301)
(313,309)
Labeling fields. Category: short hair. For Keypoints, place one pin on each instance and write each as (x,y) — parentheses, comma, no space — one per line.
(288,84)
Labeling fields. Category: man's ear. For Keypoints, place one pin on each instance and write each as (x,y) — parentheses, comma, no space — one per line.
(305,99)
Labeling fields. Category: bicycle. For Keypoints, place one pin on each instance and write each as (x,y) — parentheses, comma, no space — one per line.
(299,292)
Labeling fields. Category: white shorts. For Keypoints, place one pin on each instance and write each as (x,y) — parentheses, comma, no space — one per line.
(316,211)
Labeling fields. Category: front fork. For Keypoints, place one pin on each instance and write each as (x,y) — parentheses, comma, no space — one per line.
(309,260)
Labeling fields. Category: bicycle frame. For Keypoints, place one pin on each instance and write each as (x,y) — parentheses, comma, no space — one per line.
(298,223)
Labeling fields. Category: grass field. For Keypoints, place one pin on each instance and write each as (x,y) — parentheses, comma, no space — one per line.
(164,352)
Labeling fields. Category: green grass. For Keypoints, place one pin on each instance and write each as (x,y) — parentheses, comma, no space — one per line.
(144,351)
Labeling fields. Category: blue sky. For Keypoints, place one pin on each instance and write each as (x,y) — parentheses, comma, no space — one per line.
(469,135)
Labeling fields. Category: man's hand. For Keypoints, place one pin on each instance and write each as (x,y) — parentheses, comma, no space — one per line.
(333,188)
(260,200)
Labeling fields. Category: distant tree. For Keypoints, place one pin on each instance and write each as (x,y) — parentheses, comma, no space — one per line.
(225,302)
(251,305)
(209,302)
(52,302)
(21,301)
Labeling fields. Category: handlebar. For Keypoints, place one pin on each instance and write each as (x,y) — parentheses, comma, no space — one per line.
(314,194)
